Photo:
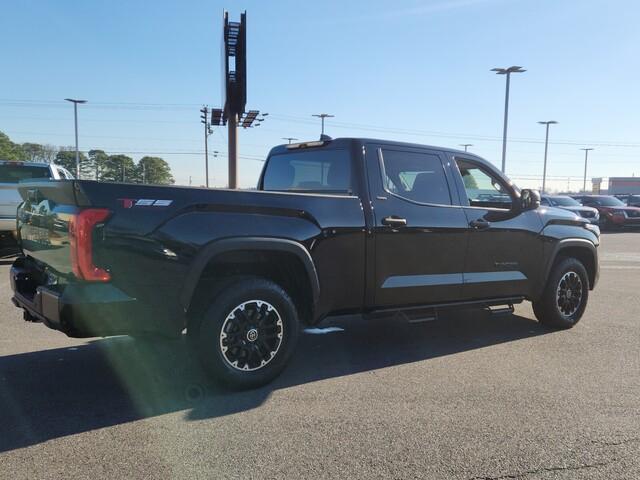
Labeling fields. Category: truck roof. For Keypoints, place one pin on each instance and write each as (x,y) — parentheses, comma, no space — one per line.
(24,164)
(345,141)
(350,141)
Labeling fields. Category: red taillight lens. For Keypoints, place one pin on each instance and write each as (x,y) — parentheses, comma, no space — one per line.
(81,228)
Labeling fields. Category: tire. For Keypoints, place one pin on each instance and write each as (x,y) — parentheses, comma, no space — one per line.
(248,334)
(553,308)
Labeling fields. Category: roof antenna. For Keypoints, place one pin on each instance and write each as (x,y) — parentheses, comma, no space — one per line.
(325,138)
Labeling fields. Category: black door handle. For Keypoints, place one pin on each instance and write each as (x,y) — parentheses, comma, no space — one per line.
(480,224)
(394,221)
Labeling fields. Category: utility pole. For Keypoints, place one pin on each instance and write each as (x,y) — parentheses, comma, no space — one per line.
(507,72)
(466,145)
(232,128)
(586,158)
(322,116)
(144,173)
(123,171)
(75,116)
(546,147)
(289,139)
(204,119)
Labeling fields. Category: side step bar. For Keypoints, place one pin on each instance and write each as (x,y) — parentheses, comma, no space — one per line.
(506,310)
(429,313)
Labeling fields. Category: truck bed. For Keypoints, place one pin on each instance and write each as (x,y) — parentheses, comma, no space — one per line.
(150,241)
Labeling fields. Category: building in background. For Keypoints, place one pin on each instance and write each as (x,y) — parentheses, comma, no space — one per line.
(622,185)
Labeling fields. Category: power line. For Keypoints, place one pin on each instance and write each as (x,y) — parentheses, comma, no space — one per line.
(142,152)
(306,121)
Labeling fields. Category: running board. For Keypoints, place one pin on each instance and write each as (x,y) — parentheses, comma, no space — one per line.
(429,313)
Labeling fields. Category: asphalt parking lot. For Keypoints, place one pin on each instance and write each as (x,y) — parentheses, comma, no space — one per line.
(470,396)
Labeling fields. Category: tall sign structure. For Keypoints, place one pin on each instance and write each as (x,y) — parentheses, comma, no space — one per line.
(234,89)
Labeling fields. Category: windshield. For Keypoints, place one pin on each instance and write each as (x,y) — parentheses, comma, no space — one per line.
(15,173)
(309,171)
(609,202)
(564,202)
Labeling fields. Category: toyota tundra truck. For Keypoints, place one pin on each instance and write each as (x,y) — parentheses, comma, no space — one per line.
(340,226)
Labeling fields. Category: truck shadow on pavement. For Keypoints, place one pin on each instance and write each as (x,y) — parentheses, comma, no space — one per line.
(54,393)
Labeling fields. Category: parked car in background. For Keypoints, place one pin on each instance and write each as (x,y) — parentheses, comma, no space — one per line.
(11,173)
(613,212)
(629,200)
(568,203)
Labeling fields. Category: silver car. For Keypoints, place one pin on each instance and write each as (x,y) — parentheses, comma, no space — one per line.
(10,175)
(568,203)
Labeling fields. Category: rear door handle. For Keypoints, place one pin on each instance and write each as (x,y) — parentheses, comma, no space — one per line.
(479,224)
(394,221)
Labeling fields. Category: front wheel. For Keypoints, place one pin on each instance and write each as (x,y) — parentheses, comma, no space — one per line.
(565,297)
(248,333)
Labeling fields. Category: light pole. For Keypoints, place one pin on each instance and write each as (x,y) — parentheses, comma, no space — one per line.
(75,117)
(466,145)
(215,157)
(586,158)
(322,116)
(546,146)
(507,72)
(289,139)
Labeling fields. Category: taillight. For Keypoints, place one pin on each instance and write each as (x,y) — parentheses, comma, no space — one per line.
(81,228)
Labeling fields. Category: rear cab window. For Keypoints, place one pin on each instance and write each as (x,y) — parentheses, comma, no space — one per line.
(319,171)
(14,173)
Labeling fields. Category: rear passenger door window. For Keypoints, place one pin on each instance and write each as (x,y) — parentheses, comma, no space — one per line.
(415,176)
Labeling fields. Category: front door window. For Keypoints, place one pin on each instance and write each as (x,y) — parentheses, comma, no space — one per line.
(483,188)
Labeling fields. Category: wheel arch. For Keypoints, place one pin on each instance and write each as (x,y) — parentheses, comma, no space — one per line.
(581,249)
(268,251)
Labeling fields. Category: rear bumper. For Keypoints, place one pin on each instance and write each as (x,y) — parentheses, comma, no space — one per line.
(83,309)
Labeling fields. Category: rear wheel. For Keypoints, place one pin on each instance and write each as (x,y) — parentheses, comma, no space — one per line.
(565,297)
(248,333)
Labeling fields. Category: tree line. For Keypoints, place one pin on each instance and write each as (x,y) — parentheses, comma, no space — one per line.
(94,165)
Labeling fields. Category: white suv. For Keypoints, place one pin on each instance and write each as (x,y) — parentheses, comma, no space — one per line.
(10,175)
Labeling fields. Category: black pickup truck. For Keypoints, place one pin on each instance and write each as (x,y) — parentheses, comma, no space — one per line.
(335,226)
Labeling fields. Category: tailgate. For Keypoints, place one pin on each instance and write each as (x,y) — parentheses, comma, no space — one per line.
(43,221)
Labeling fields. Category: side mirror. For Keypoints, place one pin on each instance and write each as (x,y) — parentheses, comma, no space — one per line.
(529,199)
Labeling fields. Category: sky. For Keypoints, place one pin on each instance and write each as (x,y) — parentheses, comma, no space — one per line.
(405,70)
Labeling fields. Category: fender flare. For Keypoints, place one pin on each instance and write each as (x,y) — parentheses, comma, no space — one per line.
(218,247)
(567,243)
